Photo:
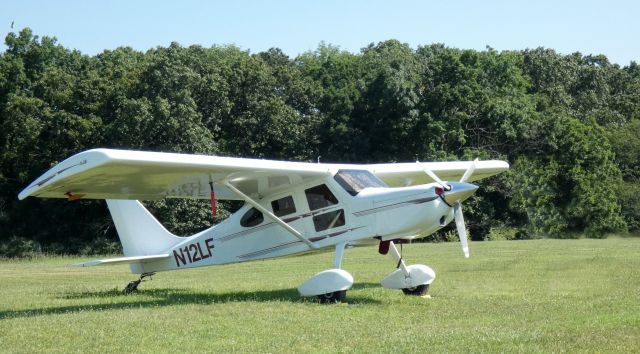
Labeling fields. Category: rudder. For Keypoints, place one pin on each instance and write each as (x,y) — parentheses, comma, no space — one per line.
(139,232)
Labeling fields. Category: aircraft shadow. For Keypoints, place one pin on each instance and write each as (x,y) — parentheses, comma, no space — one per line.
(171,297)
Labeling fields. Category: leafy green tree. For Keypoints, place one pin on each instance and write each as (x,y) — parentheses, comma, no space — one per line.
(625,142)
(571,188)
(545,112)
(336,73)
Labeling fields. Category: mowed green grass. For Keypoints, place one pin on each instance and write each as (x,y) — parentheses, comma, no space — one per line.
(512,296)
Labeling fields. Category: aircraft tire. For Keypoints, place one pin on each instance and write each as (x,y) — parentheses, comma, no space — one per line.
(334,297)
(419,290)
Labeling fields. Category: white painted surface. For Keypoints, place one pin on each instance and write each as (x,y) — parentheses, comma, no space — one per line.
(326,282)
(419,274)
(142,175)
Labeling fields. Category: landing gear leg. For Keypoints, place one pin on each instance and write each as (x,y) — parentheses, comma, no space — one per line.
(398,258)
(132,287)
(340,295)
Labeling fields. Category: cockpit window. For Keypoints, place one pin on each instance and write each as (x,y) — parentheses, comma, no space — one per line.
(353,181)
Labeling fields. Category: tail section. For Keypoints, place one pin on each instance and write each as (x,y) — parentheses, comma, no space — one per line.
(140,233)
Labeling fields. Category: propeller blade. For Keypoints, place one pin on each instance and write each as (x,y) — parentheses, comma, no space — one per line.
(469,171)
(462,230)
(436,178)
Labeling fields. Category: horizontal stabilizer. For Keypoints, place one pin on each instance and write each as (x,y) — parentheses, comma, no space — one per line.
(122,260)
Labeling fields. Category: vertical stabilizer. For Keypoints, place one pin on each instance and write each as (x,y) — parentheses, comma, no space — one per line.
(140,233)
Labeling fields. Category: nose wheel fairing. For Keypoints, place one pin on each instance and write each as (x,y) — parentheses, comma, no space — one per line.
(412,280)
(418,274)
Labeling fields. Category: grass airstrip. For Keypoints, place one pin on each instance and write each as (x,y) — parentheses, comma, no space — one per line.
(510,296)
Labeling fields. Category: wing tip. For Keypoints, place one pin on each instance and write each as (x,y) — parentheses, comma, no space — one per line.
(500,165)
(93,158)
(22,195)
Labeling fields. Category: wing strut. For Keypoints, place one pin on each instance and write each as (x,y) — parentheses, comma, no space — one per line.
(272,216)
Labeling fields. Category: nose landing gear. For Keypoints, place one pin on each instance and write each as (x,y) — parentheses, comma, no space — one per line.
(413,280)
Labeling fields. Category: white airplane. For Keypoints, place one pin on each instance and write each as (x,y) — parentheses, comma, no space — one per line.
(290,207)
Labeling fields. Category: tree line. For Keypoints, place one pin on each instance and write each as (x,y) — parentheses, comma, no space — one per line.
(568,124)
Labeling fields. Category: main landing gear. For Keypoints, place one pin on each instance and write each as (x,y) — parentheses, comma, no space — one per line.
(413,280)
(132,287)
(330,286)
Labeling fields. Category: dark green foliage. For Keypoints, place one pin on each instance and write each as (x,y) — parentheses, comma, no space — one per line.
(19,247)
(569,124)
(630,204)
(625,140)
(572,186)
(101,246)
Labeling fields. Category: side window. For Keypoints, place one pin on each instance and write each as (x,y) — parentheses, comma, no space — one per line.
(253,217)
(319,197)
(329,220)
(283,206)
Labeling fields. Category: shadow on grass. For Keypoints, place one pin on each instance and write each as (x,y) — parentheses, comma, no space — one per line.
(146,298)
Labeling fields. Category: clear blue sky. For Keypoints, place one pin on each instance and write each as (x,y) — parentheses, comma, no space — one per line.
(590,27)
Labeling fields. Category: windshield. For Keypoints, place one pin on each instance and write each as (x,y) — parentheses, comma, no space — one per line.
(353,181)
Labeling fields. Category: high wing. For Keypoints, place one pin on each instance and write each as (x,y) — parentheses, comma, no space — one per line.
(141,175)
(409,174)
